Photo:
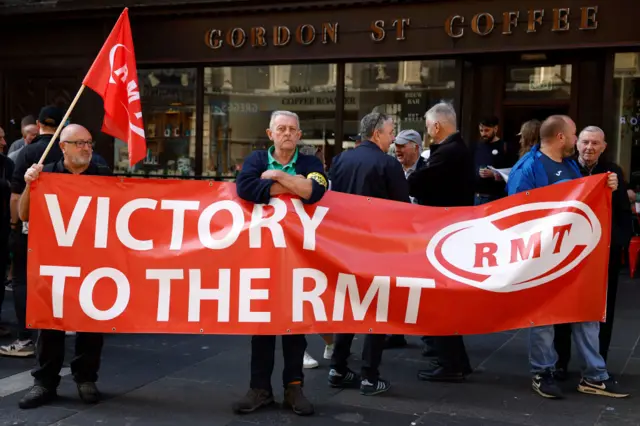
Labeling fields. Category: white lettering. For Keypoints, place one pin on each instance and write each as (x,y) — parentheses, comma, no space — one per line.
(122,298)
(309,225)
(272,223)
(247,294)
(222,294)
(300,296)
(132,91)
(59,274)
(164,277)
(347,283)
(66,237)
(204,225)
(177,229)
(124,72)
(415,286)
(122,223)
(102,223)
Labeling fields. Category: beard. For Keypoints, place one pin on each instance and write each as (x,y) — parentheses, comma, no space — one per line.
(488,138)
(569,152)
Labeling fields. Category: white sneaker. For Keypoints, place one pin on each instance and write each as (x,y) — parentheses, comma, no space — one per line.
(309,362)
(328,351)
(19,348)
(70,333)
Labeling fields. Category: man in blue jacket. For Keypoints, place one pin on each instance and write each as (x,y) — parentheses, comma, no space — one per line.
(546,164)
(280,170)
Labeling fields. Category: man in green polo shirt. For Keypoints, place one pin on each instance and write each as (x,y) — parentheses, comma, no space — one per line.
(289,168)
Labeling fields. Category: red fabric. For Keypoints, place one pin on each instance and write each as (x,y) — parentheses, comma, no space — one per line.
(634,252)
(114,77)
(345,264)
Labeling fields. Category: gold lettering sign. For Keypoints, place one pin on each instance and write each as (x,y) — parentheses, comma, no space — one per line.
(481,24)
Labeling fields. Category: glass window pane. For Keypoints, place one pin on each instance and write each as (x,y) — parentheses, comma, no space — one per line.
(238,103)
(168,106)
(627,115)
(538,83)
(403,89)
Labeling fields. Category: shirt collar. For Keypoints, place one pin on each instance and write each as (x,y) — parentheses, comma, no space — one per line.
(272,160)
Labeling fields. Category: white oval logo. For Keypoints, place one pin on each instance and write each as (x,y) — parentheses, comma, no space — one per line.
(516,249)
(494,152)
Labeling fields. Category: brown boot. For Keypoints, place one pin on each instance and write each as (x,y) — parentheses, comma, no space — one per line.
(295,399)
(254,399)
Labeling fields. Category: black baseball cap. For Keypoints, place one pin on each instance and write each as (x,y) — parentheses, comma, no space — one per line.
(51,116)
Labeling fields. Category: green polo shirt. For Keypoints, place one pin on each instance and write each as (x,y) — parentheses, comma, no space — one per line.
(287,168)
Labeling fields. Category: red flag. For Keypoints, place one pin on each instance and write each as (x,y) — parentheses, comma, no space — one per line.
(114,76)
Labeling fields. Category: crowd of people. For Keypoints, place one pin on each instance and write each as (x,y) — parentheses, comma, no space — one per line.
(450,173)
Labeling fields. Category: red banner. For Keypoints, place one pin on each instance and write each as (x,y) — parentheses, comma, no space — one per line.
(156,256)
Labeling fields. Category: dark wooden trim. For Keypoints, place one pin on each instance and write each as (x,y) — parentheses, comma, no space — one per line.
(458,90)
(339,128)
(199,120)
(608,98)
(541,103)
(574,105)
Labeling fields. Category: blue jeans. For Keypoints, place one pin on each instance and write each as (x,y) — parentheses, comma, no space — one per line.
(543,356)
(483,199)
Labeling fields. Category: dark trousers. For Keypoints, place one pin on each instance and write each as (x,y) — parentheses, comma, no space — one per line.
(19,244)
(451,353)
(562,340)
(50,349)
(4,259)
(371,354)
(263,350)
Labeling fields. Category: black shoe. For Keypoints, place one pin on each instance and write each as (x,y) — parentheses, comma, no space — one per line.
(37,396)
(88,392)
(254,399)
(561,374)
(368,388)
(347,380)
(440,374)
(295,399)
(545,385)
(608,388)
(428,351)
(395,341)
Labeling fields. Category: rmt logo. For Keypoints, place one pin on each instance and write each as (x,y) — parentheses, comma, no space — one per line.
(516,249)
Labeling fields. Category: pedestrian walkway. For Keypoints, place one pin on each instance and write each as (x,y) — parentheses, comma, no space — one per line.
(192,380)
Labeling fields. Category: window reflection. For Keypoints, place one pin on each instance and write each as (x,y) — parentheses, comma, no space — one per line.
(239,102)
(535,83)
(168,107)
(626,115)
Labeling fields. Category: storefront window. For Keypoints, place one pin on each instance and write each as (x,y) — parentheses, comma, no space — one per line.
(627,115)
(538,83)
(403,89)
(168,107)
(239,101)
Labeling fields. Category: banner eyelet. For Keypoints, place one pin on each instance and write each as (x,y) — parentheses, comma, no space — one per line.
(113,329)
(526,193)
(202,330)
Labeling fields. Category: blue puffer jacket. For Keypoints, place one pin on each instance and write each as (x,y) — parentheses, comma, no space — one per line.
(528,173)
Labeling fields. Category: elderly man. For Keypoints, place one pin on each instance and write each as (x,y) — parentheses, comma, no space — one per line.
(28,121)
(547,164)
(591,145)
(447,180)
(29,133)
(366,170)
(76,145)
(280,170)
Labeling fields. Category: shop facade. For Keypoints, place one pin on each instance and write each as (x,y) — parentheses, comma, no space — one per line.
(211,73)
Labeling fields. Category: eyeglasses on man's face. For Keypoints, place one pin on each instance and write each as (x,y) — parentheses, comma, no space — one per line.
(82,144)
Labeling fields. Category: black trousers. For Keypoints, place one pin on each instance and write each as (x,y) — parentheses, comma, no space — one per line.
(19,242)
(451,353)
(4,259)
(50,352)
(562,340)
(263,350)
(371,354)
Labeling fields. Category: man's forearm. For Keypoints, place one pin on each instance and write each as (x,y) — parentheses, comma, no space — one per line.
(278,189)
(25,199)
(298,185)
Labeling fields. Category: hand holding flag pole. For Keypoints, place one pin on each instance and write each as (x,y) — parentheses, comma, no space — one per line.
(114,76)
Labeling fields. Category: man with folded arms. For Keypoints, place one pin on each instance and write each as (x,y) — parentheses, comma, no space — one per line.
(280,170)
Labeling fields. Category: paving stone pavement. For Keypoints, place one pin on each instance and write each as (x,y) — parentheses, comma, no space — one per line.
(192,380)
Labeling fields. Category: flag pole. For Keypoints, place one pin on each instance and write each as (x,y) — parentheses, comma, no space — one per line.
(61,125)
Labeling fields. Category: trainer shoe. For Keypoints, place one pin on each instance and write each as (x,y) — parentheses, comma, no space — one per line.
(607,387)
(347,380)
(379,386)
(545,385)
(328,351)
(88,393)
(37,396)
(254,399)
(309,362)
(19,348)
(295,399)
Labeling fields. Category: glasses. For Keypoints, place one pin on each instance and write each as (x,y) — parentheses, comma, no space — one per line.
(82,144)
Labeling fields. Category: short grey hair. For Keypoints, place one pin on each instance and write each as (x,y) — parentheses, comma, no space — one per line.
(372,122)
(442,112)
(276,114)
(592,129)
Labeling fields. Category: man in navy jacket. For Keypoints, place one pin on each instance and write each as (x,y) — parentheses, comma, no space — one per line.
(280,170)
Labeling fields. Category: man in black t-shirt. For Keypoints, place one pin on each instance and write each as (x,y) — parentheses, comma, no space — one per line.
(490,151)
(76,145)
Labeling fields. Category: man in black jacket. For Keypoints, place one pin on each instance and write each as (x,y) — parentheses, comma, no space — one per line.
(280,170)
(48,120)
(6,171)
(447,180)
(591,144)
(368,171)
